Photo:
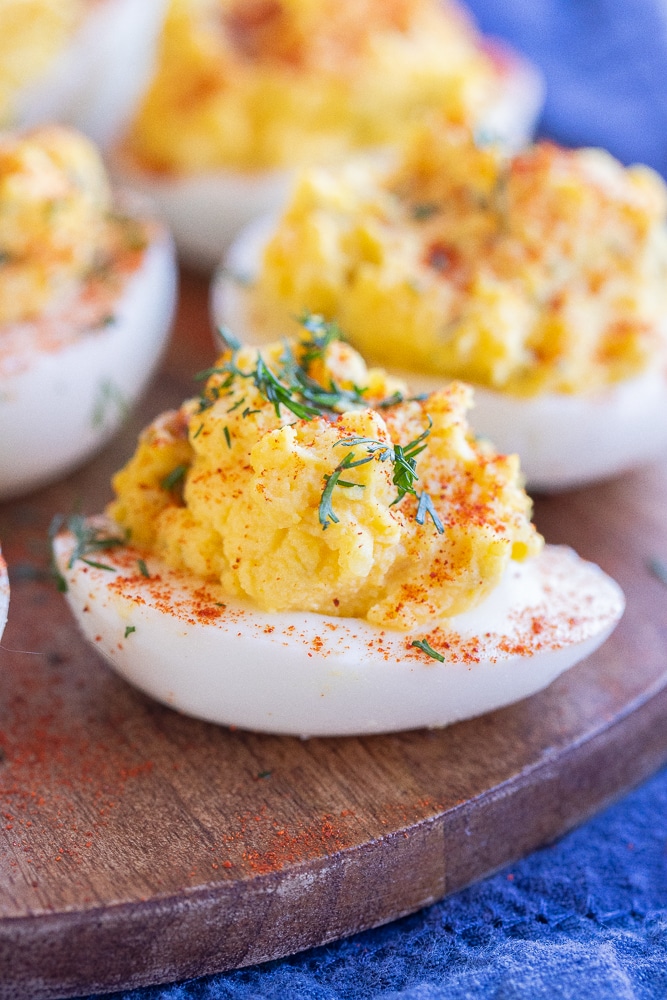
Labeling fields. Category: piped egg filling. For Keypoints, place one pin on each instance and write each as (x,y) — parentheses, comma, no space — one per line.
(56,221)
(87,286)
(256,84)
(303,480)
(542,271)
(538,277)
(32,35)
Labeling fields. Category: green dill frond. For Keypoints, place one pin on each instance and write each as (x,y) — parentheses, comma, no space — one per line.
(89,539)
(428,649)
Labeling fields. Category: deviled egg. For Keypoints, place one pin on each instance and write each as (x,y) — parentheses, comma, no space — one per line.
(307,549)
(246,90)
(80,62)
(87,291)
(4,594)
(541,278)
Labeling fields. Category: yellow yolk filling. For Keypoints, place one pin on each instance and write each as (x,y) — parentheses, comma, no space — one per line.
(229,490)
(542,271)
(32,34)
(252,84)
(55,223)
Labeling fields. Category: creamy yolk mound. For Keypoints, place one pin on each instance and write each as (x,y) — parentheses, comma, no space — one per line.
(57,224)
(253,84)
(300,513)
(32,34)
(542,271)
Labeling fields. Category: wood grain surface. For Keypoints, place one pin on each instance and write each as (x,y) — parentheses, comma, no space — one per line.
(139,846)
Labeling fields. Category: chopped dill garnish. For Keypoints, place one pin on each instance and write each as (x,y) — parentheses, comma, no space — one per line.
(143,568)
(321,333)
(279,394)
(89,539)
(404,460)
(198,431)
(227,339)
(428,649)
(425,507)
(129,629)
(291,386)
(110,404)
(402,457)
(228,437)
(396,398)
(424,210)
(174,478)
(326,511)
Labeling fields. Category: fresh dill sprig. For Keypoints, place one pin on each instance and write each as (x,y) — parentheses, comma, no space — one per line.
(404,475)
(174,478)
(424,507)
(280,394)
(227,339)
(321,335)
(89,539)
(403,458)
(424,210)
(291,386)
(428,649)
(326,511)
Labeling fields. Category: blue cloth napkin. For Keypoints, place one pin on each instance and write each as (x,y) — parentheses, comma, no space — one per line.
(586,917)
(604,64)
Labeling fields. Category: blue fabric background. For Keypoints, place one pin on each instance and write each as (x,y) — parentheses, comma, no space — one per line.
(604,64)
(586,917)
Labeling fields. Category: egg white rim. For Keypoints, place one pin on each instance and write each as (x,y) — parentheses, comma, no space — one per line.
(564,440)
(189,646)
(88,86)
(4,594)
(60,405)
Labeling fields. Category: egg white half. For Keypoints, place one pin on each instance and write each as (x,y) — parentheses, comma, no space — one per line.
(97,80)
(563,440)
(4,594)
(189,646)
(206,210)
(62,401)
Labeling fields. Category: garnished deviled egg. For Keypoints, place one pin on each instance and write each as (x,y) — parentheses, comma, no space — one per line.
(247,90)
(540,278)
(87,290)
(84,63)
(4,594)
(307,549)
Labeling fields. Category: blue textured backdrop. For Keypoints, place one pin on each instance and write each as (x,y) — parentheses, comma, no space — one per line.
(587,916)
(604,64)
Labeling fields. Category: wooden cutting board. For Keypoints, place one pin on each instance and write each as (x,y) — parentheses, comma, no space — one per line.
(139,846)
